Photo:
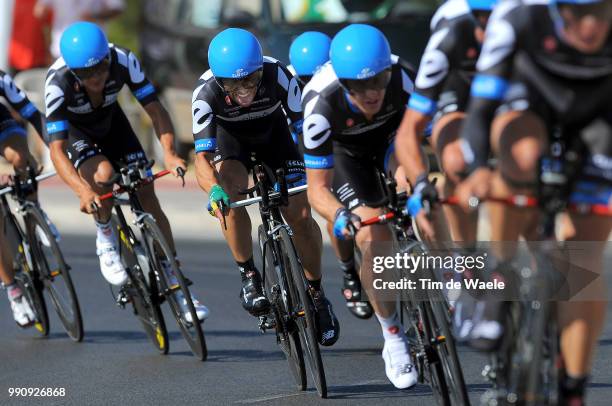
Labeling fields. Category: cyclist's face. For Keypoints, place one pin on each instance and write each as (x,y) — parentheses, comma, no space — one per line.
(369,101)
(586,29)
(94,78)
(243,91)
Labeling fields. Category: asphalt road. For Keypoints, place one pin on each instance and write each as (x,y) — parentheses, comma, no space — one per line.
(115,364)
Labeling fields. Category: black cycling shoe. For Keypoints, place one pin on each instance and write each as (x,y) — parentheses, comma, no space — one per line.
(253,299)
(328,328)
(352,293)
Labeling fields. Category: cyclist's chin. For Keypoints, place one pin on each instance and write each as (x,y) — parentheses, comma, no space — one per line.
(244,99)
(371,107)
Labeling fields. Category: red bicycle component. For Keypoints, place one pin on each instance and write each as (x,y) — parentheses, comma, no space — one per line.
(120,190)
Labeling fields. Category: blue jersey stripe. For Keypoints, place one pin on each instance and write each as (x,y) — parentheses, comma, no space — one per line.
(57,126)
(144,91)
(205,145)
(422,104)
(27,110)
(318,162)
(489,87)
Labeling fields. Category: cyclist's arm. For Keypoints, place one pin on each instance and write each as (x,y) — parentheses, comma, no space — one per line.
(163,125)
(489,86)
(64,167)
(319,193)
(206,174)
(432,75)
(19,102)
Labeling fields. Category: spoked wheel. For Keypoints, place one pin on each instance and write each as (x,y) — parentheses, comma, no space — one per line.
(32,292)
(54,273)
(286,330)
(141,293)
(447,351)
(303,308)
(173,287)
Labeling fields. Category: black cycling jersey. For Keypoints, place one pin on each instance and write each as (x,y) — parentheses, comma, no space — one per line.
(332,123)
(68,105)
(213,110)
(337,135)
(18,100)
(524,54)
(449,62)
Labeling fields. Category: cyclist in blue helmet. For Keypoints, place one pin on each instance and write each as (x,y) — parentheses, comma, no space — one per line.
(247,105)
(14,148)
(542,92)
(352,108)
(90,137)
(441,99)
(308,52)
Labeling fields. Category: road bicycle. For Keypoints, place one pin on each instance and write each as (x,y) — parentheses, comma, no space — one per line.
(154,275)
(292,309)
(37,258)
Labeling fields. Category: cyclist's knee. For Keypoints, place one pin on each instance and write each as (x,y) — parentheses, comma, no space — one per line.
(17,155)
(147,197)
(446,131)
(453,162)
(369,234)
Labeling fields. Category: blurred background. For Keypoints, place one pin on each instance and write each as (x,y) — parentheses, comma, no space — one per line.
(171,38)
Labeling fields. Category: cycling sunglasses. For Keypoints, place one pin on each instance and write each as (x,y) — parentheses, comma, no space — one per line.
(376,82)
(96,70)
(601,10)
(247,83)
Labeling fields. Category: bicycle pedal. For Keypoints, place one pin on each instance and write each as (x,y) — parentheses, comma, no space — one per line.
(266,324)
(122,299)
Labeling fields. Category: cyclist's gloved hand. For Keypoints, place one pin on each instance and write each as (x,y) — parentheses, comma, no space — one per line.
(218,199)
(345,223)
(424,196)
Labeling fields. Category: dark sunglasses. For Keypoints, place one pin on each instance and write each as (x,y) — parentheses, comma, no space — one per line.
(96,70)
(379,81)
(247,83)
(602,10)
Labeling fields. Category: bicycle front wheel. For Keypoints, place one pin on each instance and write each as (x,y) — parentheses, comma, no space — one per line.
(173,287)
(303,309)
(54,273)
(286,332)
(32,292)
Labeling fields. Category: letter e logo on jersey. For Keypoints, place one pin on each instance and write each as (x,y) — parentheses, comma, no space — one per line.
(202,115)
(316,130)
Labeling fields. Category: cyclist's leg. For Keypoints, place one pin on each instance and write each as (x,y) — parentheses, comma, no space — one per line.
(6,270)
(14,145)
(463,226)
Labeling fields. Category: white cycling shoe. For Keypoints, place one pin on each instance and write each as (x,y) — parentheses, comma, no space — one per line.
(202,311)
(398,364)
(22,312)
(110,264)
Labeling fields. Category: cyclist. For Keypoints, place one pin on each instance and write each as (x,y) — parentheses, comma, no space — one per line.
(441,95)
(90,136)
(545,66)
(352,108)
(308,52)
(238,112)
(14,148)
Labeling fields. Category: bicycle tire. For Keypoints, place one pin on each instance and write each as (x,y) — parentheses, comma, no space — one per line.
(287,334)
(54,273)
(447,353)
(32,291)
(303,304)
(160,250)
(144,298)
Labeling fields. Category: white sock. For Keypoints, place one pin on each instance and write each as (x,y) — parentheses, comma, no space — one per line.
(391,326)
(105,235)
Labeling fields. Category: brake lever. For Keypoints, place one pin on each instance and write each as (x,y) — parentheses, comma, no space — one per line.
(181,173)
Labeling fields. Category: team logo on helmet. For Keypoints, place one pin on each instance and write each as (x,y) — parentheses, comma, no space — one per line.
(91,62)
(240,72)
(365,73)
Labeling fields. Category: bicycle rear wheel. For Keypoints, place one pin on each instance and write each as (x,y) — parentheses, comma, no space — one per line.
(286,331)
(141,293)
(303,309)
(54,273)
(174,290)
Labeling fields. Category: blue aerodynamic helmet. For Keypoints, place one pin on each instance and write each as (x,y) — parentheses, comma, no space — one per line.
(234,53)
(308,52)
(359,51)
(83,45)
(481,5)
